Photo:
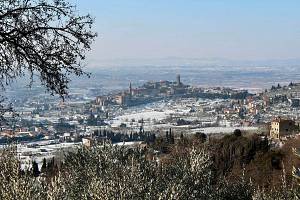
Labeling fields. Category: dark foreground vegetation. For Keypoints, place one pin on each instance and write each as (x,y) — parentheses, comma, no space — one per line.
(233,167)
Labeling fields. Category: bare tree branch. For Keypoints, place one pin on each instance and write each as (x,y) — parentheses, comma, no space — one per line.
(45,38)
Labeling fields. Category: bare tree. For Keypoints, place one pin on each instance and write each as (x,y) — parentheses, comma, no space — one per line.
(46,38)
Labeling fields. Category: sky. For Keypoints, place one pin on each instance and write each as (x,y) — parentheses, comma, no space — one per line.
(227,29)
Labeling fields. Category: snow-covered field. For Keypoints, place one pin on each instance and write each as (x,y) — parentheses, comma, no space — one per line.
(211,130)
(144,114)
(149,113)
(157,116)
(37,151)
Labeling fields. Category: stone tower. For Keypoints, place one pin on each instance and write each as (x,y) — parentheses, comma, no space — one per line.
(178,80)
(130,89)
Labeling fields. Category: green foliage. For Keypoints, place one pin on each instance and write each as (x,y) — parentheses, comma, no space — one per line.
(235,150)
(35,169)
(201,137)
(237,132)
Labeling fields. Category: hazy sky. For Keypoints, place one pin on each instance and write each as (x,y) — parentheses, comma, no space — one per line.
(232,29)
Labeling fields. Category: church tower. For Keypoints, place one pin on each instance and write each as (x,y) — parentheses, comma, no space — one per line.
(178,80)
(130,89)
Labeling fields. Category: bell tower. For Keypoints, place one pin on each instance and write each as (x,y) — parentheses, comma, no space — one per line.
(178,80)
(130,89)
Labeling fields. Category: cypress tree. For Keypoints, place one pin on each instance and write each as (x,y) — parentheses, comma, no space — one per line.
(35,169)
(44,166)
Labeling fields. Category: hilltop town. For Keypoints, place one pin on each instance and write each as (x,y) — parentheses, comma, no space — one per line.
(163,90)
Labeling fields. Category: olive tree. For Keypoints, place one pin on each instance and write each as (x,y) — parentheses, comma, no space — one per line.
(113,172)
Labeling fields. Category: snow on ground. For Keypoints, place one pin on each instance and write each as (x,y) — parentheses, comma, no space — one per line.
(127,143)
(37,151)
(154,111)
(144,115)
(211,130)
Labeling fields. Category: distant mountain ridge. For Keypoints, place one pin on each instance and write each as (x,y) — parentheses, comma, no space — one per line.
(177,61)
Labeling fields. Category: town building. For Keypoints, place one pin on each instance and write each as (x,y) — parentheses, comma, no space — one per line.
(120,99)
(282,127)
(102,100)
(87,142)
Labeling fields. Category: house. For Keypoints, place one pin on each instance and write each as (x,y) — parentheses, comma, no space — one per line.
(66,137)
(91,141)
(282,127)
(88,142)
